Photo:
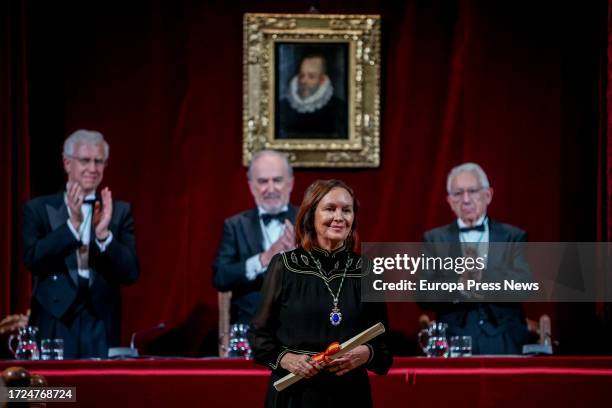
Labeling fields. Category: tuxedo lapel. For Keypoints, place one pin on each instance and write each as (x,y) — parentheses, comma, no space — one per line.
(292,213)
(455,244)
(496,239)
(252,231)
(251,228)
(57,212)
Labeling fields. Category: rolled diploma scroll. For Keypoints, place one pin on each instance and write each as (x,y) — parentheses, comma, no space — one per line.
(345,347)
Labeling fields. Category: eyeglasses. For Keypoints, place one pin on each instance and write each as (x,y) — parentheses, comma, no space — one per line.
(472,193)
(84,161)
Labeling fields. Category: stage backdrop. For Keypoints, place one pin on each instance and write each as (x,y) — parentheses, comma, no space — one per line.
(516,87)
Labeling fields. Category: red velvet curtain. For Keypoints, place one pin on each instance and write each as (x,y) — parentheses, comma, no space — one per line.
(604,232)
(508,85)
(14,156)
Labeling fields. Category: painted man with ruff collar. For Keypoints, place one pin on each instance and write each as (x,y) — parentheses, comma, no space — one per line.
(310,109)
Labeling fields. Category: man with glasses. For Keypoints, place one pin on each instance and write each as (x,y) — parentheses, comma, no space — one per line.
(80,247)
(495,328)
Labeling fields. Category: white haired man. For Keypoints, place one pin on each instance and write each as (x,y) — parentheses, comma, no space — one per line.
(80,247)
(495,328)
(251,238)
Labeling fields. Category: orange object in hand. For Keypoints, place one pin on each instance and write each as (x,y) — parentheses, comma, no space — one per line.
(323,357)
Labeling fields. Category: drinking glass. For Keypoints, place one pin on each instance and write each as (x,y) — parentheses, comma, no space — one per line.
(26,348)
(239,346)
(460,346)
(433,340)
(52,349)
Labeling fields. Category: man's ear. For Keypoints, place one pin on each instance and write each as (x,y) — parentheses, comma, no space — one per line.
(450,202)
(252,187)
(489,195)
(67,163)
(291,180)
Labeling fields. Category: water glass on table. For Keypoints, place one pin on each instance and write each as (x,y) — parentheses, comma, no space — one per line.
(52,349)
(460,346)
(433,340)
(239,346)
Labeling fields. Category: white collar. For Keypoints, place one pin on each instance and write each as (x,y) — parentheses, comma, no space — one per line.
(260,210)
(479,221)
(91,196)
(313,102)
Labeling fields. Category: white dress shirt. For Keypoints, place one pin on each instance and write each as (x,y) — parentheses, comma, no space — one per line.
(84,235)
(479,240)
(271,233)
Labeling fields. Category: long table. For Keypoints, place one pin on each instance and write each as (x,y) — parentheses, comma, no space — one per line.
(411,382)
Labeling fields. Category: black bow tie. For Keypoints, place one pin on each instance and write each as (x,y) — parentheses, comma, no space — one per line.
(480,227)
(266,218)
(90,201)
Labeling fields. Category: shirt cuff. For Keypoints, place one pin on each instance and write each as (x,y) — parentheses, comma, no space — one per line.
(371,353)
(278,359)
(107,241)
(74,232)
(253,267)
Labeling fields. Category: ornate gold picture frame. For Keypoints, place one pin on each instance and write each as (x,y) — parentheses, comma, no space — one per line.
(312,88)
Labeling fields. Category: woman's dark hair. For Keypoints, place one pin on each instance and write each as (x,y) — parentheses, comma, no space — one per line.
(305,232)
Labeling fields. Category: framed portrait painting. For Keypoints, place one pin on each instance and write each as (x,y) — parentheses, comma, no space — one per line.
(312,88)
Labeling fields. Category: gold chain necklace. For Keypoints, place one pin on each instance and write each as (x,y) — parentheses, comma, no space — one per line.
(335,317)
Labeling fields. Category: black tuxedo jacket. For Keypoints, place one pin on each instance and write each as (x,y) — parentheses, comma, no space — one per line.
(242,238)
(499,317)
(50,254)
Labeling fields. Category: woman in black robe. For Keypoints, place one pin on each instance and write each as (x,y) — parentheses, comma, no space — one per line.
(311,297)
